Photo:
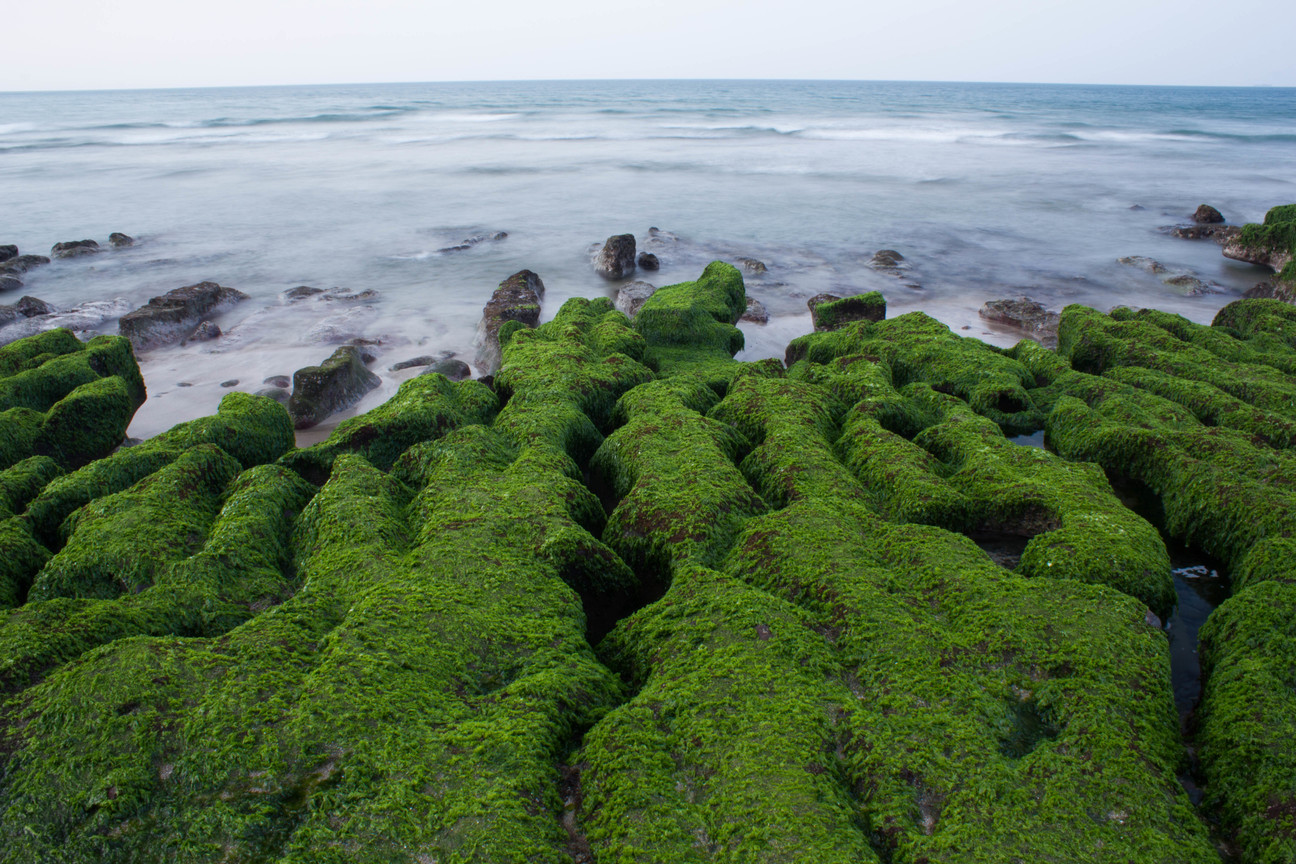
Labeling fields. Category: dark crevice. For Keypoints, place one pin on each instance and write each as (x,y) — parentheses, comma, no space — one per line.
(1031,725)
(571,796)
(1003,548)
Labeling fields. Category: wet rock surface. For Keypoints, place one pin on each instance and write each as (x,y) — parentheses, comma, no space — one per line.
(8,251)
(169,318)
(1207,215)
(335,385)
(1023,314)
(120,240)
(796,575)
(648,261)
(516,299)
(616,260)
(631,296)
(22,263)
(755,313)
(74,249)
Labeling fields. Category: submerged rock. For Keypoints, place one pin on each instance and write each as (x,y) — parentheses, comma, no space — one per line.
(516,299)
(472,241)
(1148,264)
(23,263)
(1207,215)
(1219,233)
(648,261)
(335,385)
(9,282)
(74,249)
(1190,286)
(751,265)
(168,318)
(756,313)
(27,307)
(423,360)
(301,292)
(80,318)
(120,240)
(631,296)
(886,258)
(829,312)
(205,332)
(616,260)
(278,381)
(1024,314)
(450,367)
(278,394)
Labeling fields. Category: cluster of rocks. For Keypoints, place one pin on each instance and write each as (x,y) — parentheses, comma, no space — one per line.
(1271,244)
(475,240)
(177,314)
(1188,284)
(12,264)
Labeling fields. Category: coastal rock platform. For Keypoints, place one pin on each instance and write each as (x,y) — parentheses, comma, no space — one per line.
(634,600)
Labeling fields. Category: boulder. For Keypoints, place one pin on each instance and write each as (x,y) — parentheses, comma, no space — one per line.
(120,240)
(455,370)
(516,299)
(205,332)
(648,261)
(616,260)
(8,251)
(169,318)
(1207,215)
(27,307)
(829,312)
(886,258)
(632,295)
(1141,262)
(335,385)
(22,263)
(74,248)
(756,312)
(1023,314)
(282,381)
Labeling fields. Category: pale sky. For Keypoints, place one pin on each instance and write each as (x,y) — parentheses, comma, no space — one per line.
(91,44)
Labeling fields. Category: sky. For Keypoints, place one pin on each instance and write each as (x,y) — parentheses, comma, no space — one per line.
(96,44)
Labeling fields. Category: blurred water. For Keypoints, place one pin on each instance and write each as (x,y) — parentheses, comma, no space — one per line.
(988,190)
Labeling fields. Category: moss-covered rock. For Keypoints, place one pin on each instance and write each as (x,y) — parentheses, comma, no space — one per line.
(335,385)
(688,327)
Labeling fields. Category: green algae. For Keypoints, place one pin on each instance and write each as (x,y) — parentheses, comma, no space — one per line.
(688,327)
(833,314)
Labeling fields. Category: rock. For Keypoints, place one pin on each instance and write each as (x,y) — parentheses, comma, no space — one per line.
(205,332)
(79,318)
(1207,215)
(1218,233)
(616,260)
(1190,286)
(648,261)
(335,385)
(9,282)
(1141,262)
(455,370)
(27,307)
(8,251)
(23,263)
(168,318)
(74,248)
(1277,289)
(1272,244)
(301,292)
(233,382)
(120,240)
(473,241)
(1024,314)
(632,295)
(751,265)
(886,258)
(278,394)
(516,299)
(345,327)
(278,381)
(424,360)
(345,296)
(756,312)
(829,312)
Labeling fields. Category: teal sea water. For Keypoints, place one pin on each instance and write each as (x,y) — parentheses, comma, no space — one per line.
(989,190)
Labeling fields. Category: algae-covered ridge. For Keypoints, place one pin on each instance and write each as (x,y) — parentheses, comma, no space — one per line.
(632,600)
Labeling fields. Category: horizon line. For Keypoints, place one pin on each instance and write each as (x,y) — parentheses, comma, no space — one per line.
(52,90)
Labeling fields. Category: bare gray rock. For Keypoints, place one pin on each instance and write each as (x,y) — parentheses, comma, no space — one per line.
(205,332)
(1023,314)
(516,299)
(1207,215)
(169,318)
(755,312)
(74,249)
(22,263)
(120,240)
(631,296)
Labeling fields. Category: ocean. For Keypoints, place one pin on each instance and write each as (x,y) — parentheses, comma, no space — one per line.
(988,190)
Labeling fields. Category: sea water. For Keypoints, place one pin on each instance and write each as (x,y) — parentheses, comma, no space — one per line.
(988,190)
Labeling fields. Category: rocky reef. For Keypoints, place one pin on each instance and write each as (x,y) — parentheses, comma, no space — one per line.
(632,600)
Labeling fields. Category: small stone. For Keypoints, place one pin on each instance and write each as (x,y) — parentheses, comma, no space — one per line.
(233,382)
(648,261)
(424,360)
(74,248)
(1207,215)
(278,381)
(279,395)
(120,240)
(751,265)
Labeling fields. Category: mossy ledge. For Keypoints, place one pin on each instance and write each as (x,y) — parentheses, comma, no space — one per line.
(641,599)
